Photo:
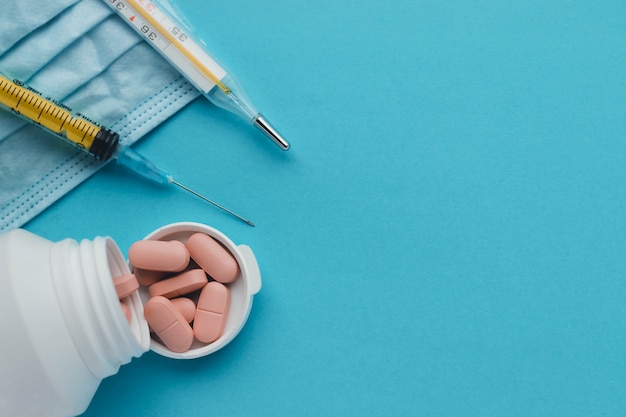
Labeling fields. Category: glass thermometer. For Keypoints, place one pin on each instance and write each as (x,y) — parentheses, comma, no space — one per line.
(190,57)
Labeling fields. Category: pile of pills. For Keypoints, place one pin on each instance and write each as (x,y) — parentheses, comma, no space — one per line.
(187,283)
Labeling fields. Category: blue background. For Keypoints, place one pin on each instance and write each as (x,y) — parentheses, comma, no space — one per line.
(446,235)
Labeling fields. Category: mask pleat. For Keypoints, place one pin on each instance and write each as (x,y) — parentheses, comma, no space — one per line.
(42,45)
(132,79)
(90,55)
(20,17)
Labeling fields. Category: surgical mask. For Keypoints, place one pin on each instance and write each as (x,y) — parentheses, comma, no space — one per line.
(81,53)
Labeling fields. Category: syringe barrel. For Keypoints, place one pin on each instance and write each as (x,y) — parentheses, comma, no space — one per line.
(57,118)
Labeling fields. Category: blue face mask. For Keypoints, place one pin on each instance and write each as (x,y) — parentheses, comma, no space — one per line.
(83,54)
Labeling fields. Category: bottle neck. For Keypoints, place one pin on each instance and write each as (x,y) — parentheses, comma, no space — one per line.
(82,274)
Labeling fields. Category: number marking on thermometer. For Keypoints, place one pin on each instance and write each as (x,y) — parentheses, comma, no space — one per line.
(171,40)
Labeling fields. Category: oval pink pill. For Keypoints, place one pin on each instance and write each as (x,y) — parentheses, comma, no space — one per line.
(125,285)
(211,313)
(216,261)
(159,255)
(169,324)
(188,281)
(186,307)
(147,277)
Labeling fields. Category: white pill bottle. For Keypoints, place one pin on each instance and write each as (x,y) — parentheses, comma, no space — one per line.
(62,329)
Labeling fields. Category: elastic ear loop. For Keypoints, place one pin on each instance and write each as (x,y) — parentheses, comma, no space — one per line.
(79,166)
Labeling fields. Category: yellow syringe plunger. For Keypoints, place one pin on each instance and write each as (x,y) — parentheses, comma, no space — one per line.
(58,119)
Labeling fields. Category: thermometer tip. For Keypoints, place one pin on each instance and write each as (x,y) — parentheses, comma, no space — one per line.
(266,127)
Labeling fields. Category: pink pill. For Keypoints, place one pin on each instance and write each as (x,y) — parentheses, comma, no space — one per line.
(212,311)
(147,277)
(216,261)
(169,324)
(125,285)
(186,307)
(188,281)
(127,312)
(158,255)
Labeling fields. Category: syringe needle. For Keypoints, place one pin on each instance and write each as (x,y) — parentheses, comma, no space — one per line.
(129,158)
(219,206)
(92,138)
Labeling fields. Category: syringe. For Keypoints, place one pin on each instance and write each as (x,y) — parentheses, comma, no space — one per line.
(176,43)
(84,133)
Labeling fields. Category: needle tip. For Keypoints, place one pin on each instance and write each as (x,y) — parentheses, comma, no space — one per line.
(219,206)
